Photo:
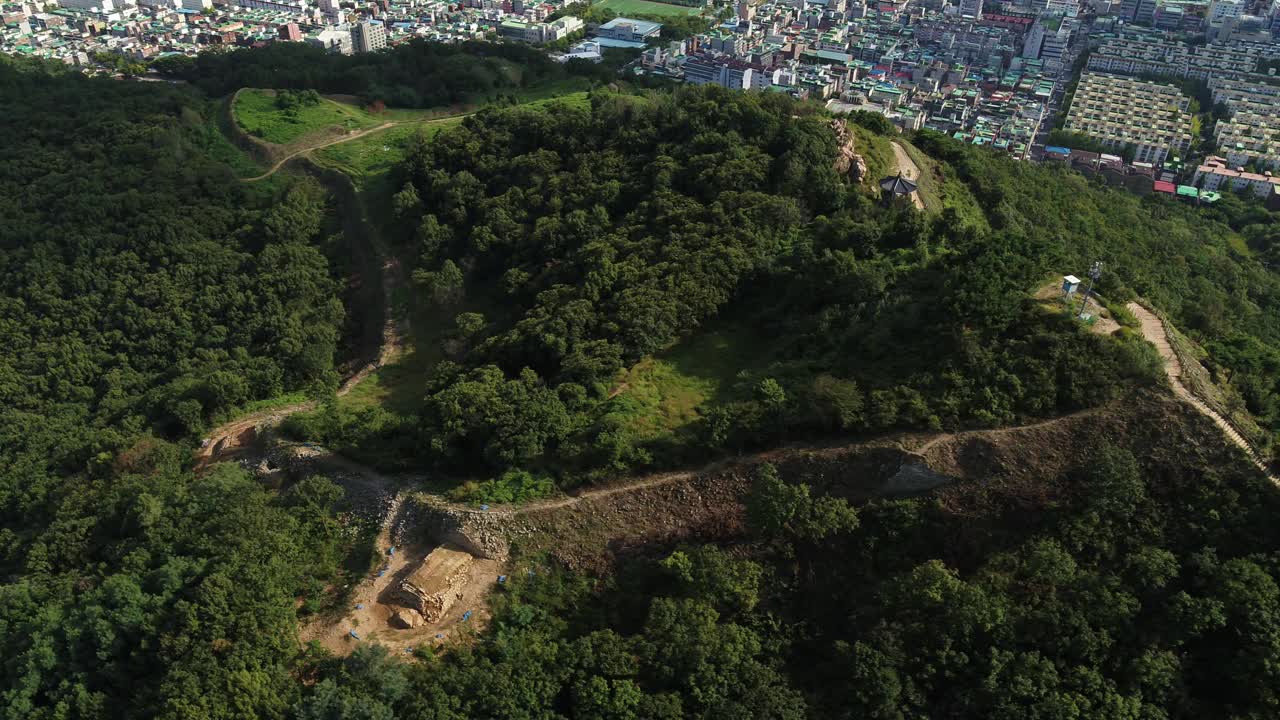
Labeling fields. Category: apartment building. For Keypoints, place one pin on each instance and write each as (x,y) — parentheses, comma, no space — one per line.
(1120,111)
(1141,54)
(1234,92)
(368,37)
(722,71)
(1250,136)
(1215,175)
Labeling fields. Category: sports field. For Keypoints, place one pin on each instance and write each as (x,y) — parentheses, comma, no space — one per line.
(646,7)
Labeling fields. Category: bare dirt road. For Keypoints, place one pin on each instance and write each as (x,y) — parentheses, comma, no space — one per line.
(905,165)
(939,438)
(1156,334)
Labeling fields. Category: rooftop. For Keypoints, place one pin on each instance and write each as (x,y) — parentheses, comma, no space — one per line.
(642,27)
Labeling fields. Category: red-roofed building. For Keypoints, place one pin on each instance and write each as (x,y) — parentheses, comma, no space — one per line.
(1165,187)
(1215,175)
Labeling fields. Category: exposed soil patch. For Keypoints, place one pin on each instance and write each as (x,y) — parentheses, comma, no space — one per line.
(377,600)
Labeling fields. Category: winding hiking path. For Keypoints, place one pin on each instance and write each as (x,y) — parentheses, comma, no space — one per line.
(1000,431)
(905,165)
(1154,331)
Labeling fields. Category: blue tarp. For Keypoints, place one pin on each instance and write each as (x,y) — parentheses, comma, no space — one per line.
(354,635)
(1057,149)
(466,616)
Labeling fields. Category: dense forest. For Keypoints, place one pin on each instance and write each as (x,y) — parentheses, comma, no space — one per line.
(600,237)
(148,292)
(1140,583)
(415,74)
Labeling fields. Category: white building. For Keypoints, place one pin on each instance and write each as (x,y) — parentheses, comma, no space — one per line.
(285,6)
(1214,175)
(333,39)
(368,37)
(725,72)
(105,5)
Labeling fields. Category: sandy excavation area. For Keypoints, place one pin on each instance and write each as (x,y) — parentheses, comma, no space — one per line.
(377,600)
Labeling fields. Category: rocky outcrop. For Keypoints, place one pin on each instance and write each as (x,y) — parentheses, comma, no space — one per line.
(407,619)
(482,533)
(848,161)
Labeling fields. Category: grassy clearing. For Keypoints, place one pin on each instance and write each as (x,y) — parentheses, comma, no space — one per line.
(646,7)
(940,193)
(661,395)
(877,153)
(376,153)
(572,91)
(257,112)
(398,386)
(391,387)
(368,158)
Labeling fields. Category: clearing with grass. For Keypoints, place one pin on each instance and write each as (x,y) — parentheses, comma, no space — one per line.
(646,7)
(285,117)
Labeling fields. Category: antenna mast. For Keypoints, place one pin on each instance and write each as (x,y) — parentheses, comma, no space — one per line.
(1095,272)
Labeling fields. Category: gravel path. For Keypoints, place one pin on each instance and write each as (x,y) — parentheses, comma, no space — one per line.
(909,170)
(1154,331)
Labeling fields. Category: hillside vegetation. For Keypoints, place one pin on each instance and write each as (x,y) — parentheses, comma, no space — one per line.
(601,287)
(285,116)
(614,233)
(146,291)
(1207,268)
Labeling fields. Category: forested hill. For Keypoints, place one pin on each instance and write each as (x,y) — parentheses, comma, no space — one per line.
(1210,268)
(575,244)
(144,290)
(641,281)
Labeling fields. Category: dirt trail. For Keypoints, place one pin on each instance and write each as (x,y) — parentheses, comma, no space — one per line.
(345,138)
(1155,333)
(626,487)
(905,165)
(998,432)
